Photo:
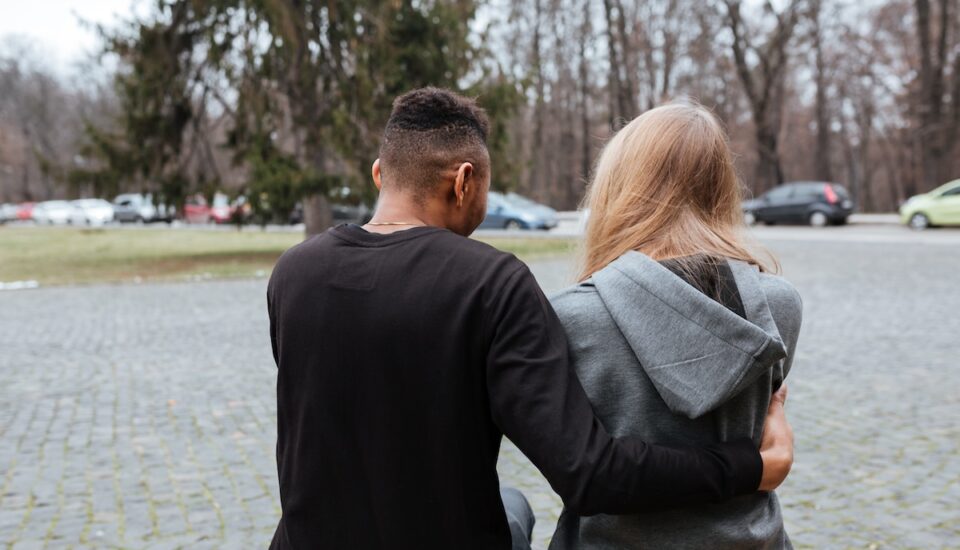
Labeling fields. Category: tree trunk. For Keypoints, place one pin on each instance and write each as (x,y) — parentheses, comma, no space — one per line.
(615,85)
(865,119)
(769,172)
(934,130)
(317,215)
(27,193)
(822,161)
(584,77)
(538,180)
(628,91)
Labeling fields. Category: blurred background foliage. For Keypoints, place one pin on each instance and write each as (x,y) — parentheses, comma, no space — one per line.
(282,100)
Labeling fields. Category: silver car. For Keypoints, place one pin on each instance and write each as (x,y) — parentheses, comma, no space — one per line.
(512,211)
(134,207)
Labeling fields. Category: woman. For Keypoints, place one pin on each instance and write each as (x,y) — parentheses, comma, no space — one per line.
(678,331)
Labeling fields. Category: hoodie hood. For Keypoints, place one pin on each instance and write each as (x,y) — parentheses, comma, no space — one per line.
(697,353)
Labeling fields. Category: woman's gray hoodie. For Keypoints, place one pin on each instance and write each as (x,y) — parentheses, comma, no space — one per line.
(662,361)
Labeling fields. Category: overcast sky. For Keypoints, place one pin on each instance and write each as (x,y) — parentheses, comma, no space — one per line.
(54,27)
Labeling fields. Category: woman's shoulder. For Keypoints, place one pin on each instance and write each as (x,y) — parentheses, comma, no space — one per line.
(579,302)
(781,294)
(573,295)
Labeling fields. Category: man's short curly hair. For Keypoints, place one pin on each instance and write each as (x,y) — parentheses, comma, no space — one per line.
(432,130)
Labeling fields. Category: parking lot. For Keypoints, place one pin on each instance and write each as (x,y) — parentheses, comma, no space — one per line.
(144,415)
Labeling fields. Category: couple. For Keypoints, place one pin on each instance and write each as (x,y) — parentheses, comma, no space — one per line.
(645,394)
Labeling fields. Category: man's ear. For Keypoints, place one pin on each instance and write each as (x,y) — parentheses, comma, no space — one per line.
(375,171)
(462,182)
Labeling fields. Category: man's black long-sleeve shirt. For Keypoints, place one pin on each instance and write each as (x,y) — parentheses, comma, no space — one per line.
(402,361)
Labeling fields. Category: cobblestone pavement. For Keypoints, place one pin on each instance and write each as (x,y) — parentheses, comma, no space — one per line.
(144,416)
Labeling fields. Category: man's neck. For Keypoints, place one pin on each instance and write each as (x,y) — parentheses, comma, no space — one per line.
(399,214)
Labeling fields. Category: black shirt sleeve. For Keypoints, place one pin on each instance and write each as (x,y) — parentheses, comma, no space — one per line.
(538,402)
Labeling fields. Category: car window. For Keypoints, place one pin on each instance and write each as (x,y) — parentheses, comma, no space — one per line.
(779,193)
(808,191)
(952,192)
(494,201)
(519,200)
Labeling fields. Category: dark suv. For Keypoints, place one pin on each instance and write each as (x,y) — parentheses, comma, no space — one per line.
(814,203)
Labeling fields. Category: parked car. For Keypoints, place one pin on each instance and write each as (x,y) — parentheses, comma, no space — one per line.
(53,213)
(351,213)
(25,211)
(513,211)
(222,211)
(91,212)
(814,203)
(135,207)
(196,210)
(342,213)
(8,213)
(938,207)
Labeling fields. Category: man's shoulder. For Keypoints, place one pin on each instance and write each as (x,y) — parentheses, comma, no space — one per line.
(476,253)
(304,248)
(461,253)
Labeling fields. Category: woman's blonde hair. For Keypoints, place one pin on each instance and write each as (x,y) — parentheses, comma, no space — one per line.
(665,185)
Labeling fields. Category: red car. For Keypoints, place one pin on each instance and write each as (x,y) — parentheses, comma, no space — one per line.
(25,211)
(195,210)
(226,211)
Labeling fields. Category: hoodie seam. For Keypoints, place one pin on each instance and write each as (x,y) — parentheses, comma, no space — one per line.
(755,360)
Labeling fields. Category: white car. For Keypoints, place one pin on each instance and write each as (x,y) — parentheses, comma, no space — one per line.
(91,212)
(53,212)
(8,213)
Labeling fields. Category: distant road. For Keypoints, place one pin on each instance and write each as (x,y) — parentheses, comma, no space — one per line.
(860,228)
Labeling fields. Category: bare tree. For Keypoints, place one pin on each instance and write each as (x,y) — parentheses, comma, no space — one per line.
(763,81)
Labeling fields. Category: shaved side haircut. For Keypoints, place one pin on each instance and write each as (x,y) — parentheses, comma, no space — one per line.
(430,131)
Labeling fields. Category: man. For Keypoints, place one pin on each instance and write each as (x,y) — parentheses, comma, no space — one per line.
(405,352)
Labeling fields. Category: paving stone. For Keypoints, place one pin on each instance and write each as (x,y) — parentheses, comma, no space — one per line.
(122,408)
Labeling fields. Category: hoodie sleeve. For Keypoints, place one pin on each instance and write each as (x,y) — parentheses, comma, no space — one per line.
(786,308)
(538,402)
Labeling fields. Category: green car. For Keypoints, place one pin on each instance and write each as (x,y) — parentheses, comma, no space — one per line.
(938,207)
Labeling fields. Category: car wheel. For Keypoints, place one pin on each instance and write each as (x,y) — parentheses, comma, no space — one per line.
(919,221)
(512,224)
(749,218)
(818,219)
